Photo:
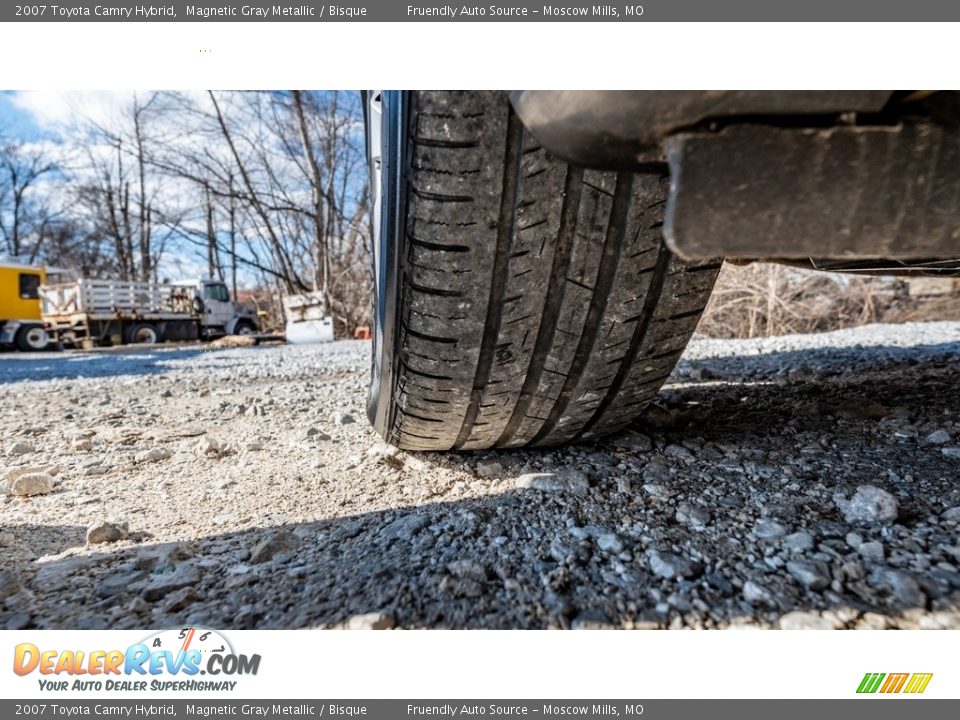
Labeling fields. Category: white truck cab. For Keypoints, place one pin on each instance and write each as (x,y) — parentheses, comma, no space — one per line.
(218,312)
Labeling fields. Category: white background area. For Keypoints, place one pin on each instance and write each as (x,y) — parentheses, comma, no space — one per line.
(597,665)
(558,55)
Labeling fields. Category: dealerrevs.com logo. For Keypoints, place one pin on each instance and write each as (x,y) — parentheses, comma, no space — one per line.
(170,660)
(892,683)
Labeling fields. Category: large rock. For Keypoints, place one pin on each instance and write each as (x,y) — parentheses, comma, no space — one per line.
(671,566)
(869,505)
(280,541)
(31,483)
(107,531)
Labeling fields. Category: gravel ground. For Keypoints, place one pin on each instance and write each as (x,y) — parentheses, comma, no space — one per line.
(804,481)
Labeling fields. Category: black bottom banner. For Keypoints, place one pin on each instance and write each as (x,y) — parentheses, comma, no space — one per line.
(868,708)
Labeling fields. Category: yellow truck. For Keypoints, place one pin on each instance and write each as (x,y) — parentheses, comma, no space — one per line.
(21,324)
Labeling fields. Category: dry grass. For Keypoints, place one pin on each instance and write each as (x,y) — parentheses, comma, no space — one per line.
(764,299)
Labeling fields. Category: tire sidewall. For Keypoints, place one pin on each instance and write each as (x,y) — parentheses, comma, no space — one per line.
(25,344)
(387,231)
(135,330)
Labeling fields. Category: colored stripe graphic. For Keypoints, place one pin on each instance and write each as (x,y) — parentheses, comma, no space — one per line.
(894,683)
(918,682)
(870,682)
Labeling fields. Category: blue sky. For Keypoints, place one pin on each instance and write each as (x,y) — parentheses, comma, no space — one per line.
(16,121)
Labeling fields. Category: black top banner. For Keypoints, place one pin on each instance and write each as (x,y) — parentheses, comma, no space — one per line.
(510,11)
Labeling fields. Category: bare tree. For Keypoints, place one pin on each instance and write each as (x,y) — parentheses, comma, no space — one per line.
(21,168)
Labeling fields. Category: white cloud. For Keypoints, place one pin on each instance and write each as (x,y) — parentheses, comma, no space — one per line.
(56,111)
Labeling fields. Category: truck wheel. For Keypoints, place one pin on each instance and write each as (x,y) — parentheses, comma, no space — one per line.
(520,301)
(244,328)
(143,334)
(31,338)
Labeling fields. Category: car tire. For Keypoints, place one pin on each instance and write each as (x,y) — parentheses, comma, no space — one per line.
(143,334)
(520,301)
(31,338)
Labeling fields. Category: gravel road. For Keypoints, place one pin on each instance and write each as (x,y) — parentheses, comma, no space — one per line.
(793,482)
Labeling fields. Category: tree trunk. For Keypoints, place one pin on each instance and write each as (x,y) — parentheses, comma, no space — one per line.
(321,265)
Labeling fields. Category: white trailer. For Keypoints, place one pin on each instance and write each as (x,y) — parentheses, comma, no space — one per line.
(91,313)
(307,319)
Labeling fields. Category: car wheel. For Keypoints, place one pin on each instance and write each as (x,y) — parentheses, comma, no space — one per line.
(31,338)
(143,334)
(520,301)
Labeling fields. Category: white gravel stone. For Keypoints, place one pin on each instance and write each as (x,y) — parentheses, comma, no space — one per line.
(872,551)
(679,452)
(489,469)
(20,448)
(657,490)
(804,620)
(387,454)
(869,505)
(766,529)
(809,574)
(693,516)
(669,565)
(938,437)
(371,621)
(277,542)
(951,515)
(152,456)
(107,531)
(854,540)
(609,542)
(756,594)
(31,483)
(559,481)
(798,542)
(210,447)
